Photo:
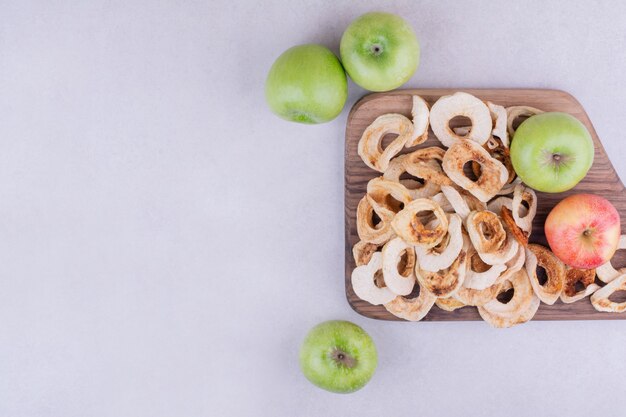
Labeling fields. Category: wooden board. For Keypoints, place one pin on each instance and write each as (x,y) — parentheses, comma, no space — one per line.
(601,179)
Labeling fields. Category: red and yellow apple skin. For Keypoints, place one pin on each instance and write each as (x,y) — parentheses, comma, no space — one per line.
(583,230)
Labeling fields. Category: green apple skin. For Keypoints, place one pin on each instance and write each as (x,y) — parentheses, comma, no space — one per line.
(322,364)
(379,51)
(552,152)
(307,84)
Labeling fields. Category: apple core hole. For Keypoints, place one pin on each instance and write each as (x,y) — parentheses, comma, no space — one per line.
(618,296)
(468,171)
(523,212)
(387,139)
(441,246)
(486,230)
(391,203)
(424,217)
(506,296)
(579,286)
(518,121)
(542,276)
(407,176)
(375,219)
(379,279)
(477,264)
(460,121)
(402,264)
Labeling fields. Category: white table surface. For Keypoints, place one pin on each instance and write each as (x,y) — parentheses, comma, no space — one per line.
(166,242)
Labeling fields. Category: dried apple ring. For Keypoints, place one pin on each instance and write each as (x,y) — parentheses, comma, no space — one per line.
(472,296)
(498,151)
(457,202)
(412,309)
(606,272)
(481,275)
(441,199)
(510,187)
(364,282)
(519,309)
(409,227)
(415,188)
(520,235)
(366,228)
(514,264)
(370,145)
(446,281)
(600,298)
(537,255)
(485,231)
(421,117)
(499,116)
(449,304)
(387,195)
(513,112)
(460,104)
(524,218)
(497,203)
(575,277)
(444,254)
(399,266)
(363,251)
(425,163)
(493,174)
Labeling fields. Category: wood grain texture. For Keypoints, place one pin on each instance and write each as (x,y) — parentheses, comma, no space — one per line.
(602,179)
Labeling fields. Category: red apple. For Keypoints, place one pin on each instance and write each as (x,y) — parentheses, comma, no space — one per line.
(583,230)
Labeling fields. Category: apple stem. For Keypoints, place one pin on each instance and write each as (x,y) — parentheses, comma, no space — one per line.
(342,358)
(556,157)
(376,49)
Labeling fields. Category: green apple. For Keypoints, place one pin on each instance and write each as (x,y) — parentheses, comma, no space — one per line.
(380,51)
(307,84)
(552,152)
(338,356)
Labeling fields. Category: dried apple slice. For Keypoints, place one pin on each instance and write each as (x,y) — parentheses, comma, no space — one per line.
(387,195)
(446,252)
(600,299)
(409,227)
(510,187)
(446,281)
(493,174)
(412,309)
(366,228)
(421,116)
(520,235)
(606,272)
(481,275)
(449,304)
(415,188)
(513,112)
(363,251)
(460,104)
(425,163)
(499,116)
(514,264)
(497,203)
(584,278)
(537,255)
(370,145)
(524,218)
(519,309)
(472,296)
(364,282)
(485,231)
(399,266)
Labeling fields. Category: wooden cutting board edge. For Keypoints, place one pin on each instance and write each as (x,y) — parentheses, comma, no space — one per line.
(559,311)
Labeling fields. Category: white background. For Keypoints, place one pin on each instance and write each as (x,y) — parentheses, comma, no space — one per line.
(166,242)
